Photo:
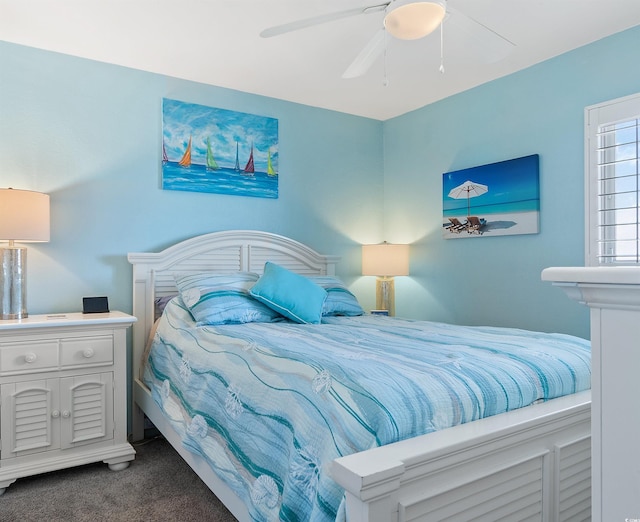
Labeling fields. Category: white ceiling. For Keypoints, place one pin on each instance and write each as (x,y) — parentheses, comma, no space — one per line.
(217,42)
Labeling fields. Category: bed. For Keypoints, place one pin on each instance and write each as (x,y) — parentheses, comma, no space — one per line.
(530,463)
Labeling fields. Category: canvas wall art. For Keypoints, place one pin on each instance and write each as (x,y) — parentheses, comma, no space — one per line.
(498,199)
(206,149)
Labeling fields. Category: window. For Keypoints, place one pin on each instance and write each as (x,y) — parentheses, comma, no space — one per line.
(612,159)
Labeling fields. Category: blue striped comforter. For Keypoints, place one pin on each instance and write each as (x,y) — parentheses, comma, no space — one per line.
(270,405)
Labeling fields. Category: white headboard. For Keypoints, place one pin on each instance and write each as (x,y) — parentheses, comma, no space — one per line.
(228,251)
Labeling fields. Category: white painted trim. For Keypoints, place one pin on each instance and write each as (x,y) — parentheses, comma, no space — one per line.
(613,296)
(605,113)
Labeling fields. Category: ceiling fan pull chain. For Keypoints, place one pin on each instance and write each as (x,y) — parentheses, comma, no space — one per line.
(385,80)
(441,69)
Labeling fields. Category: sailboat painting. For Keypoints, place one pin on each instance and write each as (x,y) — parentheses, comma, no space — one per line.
(206,149)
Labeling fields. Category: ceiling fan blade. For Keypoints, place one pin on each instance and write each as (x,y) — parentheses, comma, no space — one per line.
(490,46)
(321,19)
(367,56)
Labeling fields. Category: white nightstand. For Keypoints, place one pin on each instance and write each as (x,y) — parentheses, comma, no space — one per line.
(63,392)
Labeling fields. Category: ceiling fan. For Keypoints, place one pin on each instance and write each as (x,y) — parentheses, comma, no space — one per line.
(407,20)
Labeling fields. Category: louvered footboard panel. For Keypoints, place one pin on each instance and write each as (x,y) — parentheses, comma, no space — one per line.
(517,492)
(532,464)
(514,493)
(574,476)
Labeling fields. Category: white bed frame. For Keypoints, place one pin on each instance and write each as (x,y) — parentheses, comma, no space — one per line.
(529,464)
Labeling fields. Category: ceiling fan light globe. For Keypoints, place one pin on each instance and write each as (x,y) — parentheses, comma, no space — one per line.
(414,20)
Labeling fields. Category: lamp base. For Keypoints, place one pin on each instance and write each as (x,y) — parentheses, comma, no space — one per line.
(13,283)
(385,294)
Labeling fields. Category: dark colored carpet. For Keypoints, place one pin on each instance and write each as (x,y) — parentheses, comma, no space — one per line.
(157,486)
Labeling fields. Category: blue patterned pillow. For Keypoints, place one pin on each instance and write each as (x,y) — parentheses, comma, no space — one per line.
(291,294)
(340,301)
(223,299)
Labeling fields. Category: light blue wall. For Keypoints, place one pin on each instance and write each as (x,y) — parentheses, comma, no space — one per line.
(539,110)
(89,134)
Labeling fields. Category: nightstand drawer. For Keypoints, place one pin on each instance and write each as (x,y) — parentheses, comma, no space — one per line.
(86,351)
(28,356)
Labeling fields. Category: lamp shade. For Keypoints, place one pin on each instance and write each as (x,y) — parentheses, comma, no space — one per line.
(24,215)
(385,260)
(413,20)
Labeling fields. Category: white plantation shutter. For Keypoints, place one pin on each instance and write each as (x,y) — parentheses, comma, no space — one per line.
(612,164)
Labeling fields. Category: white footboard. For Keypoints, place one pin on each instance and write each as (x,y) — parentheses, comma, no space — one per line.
(529,464)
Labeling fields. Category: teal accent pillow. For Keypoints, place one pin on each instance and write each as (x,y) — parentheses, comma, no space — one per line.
(290,294)
(215,299)
(340,301)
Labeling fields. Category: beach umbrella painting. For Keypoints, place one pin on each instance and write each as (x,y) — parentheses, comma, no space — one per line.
(468,190)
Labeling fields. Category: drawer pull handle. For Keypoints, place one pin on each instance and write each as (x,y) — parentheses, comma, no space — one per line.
(66,414)
(55,414)
(88,353)
(30,357)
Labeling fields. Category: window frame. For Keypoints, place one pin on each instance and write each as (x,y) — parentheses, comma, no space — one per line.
(596,116)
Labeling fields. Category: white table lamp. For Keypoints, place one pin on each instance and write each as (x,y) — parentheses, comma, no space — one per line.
(24,217)
(385,261)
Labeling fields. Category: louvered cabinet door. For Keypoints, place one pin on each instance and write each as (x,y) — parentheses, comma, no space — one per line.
(29,420)
(86,414)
